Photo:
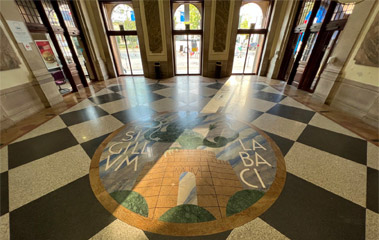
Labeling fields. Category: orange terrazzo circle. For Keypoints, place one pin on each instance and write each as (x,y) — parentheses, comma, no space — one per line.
(158,183)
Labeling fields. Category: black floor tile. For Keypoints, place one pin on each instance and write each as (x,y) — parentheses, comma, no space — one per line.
(155,97)
(116,88)
(293,113)
(200,103)
(217,236)
(91,146)
(187,97)
(82,115)
(70,212)
(4,197)
(372,189)
(215,85)
(283,143)
(156,86)
(272,97)
(258,86)
(342,145)
(34,148)
(106,98)
(306,211)
(135,113)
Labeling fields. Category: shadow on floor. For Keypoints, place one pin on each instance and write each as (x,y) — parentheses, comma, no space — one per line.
(218,236)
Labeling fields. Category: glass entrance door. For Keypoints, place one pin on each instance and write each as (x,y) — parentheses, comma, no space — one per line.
(122,32)
(127,55)
(252,29)
(247,53)
(187,54)
(187,35)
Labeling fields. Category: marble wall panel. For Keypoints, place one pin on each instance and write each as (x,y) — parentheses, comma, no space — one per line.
(18,103)
(154,26)
(358,99)
(221,24)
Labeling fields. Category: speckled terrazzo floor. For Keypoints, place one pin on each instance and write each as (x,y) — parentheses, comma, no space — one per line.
(331,189)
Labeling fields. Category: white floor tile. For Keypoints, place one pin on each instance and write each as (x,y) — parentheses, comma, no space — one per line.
(4,159)
(280,126)
(119,230)
(88,130)
(322,122)
(35,179)
(4,227)
(52,125)
(83,104)
(115,106)
(372,225)
(338,175)
(372,156)
(256,229)
(293,103)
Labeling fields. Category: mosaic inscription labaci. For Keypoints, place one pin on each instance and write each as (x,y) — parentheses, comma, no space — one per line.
(187,167)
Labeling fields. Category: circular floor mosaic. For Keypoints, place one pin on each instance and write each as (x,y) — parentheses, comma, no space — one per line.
(187,174)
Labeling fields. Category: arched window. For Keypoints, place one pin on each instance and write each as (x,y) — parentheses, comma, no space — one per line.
(187,35)
(251,33)
(250,15)
(122,34)
(187,14)
(122,18)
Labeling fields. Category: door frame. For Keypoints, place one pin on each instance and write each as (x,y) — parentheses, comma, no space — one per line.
(188,32)
(251,32)
(335,19)
(123,34)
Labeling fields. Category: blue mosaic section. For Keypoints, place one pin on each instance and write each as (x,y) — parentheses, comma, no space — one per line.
(145,141)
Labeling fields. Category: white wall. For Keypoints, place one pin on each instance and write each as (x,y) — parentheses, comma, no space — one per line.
(13,77)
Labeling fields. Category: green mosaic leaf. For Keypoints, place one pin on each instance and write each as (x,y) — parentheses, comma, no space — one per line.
(187,213)
(132,201)
(242,200)
(190,139)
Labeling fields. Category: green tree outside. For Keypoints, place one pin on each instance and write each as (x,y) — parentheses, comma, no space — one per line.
(195,17)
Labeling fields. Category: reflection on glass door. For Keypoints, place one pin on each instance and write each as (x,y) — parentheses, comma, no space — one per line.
(194,54)
(240,53)
(120,55)
(127,55)
(247,53)
(252,29)
(122,32)
(187,36)
(181,50)
(253,53)
(187,54)
(134,54)
(79,52)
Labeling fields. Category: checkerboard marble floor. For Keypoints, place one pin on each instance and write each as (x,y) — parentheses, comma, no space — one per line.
(331,190)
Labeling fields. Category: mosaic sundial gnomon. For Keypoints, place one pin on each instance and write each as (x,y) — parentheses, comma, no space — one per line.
(187,173)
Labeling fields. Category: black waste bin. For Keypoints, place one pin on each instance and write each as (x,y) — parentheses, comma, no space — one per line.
(157,67)
(218,70)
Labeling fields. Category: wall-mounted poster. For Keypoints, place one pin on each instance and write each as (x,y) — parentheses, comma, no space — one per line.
(21,33)
(47,54)
(8,57)
(368,52)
